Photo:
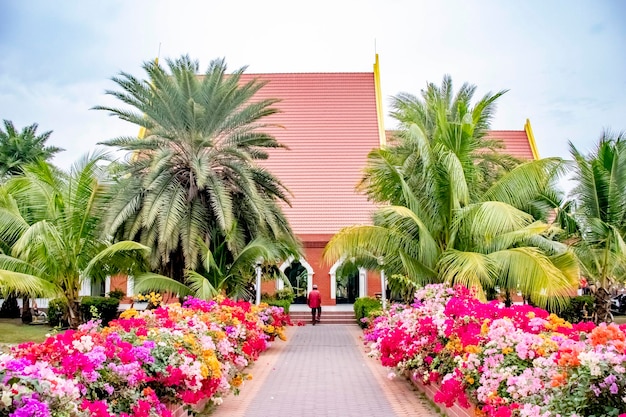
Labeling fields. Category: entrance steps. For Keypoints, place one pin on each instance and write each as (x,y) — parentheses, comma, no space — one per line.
(328,317)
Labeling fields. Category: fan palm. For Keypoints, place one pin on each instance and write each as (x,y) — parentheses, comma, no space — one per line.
(450,218)
(193,178)
(52,221)
(18,148)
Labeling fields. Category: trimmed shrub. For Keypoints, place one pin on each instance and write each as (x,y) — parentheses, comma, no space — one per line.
(364,307)
(278,303)
(57,309)
(104,308)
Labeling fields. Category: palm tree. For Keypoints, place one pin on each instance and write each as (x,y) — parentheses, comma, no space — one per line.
(52,221)
(20,148)
(221,272)
(599,211)
(450,218)
(192,179)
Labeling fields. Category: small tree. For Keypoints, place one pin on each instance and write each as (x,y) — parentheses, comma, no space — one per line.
(52,221)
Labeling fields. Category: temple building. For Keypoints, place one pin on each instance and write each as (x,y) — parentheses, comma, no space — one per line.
(329,122)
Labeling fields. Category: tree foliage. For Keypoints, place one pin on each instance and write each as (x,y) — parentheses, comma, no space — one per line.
(18,148)
(193,183)
(598,208)
(52,223)
(457,209)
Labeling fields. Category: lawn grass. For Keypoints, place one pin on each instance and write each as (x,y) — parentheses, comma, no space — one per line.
(13,331)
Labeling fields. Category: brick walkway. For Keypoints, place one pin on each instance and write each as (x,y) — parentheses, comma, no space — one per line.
(323,371)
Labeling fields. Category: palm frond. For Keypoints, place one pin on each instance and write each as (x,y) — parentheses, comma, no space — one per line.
(146,282)
(17,282)
(548,281)
(471,269)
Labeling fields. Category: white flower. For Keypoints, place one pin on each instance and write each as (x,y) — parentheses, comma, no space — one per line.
(6,398)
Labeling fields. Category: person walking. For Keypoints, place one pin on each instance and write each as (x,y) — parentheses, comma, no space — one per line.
(314,301)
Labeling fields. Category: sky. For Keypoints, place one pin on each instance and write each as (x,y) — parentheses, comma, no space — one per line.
(562,62)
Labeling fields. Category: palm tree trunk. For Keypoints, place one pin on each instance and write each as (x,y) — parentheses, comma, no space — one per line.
(507,298)
(27,315)
(602,300)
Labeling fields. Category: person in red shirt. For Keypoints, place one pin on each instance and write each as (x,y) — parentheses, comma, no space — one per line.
(314,300)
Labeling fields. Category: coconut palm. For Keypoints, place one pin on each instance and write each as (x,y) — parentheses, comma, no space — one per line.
(599,210)
(449,219)
(18,148)
(52,221)
(193,178)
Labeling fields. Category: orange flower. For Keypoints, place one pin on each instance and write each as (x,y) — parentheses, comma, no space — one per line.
(559,379)
(569,357)
(604,334)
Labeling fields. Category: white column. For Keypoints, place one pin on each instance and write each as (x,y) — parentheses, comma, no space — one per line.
(362,282)
(383,287)
(107,285)
(85,287)
(130,286)
(258,283)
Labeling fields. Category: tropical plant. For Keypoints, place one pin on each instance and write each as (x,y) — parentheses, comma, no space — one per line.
(599,200)
(598,208)
(458,209)
(18,148)
(221,272)
(192,185)
(52,221)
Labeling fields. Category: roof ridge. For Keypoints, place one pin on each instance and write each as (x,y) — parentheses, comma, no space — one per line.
(309,73)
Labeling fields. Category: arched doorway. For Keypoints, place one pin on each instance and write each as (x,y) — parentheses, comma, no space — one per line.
(299,279)
(347,277)
(348,287)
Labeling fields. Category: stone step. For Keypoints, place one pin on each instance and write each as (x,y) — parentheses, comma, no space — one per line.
(328,317)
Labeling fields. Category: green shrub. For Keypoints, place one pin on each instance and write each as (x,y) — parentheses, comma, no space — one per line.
(278,303)
(285,294)
(57,310)
(574,313)
(119,294)
(10,309)
(364,307)
(105,307)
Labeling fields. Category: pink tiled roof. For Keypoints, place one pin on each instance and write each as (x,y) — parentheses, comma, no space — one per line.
(516,142)
(329,123)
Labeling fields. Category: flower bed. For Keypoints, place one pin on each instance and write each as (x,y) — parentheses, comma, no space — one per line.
(141,363)
(517,361)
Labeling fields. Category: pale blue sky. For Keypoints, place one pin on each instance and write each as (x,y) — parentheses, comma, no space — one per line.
(563,61)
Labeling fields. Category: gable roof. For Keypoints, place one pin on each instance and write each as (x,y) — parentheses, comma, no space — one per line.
(329,123)
(518,143)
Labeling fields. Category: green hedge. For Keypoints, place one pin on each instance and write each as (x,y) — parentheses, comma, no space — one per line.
(285,304)
(106,308)
(574,312)
(57,309)
(364,307)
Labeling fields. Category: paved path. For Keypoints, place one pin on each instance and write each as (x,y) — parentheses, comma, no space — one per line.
(323,371)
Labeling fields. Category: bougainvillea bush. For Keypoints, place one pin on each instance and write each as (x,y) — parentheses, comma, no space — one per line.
(517,361)
(139,363)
